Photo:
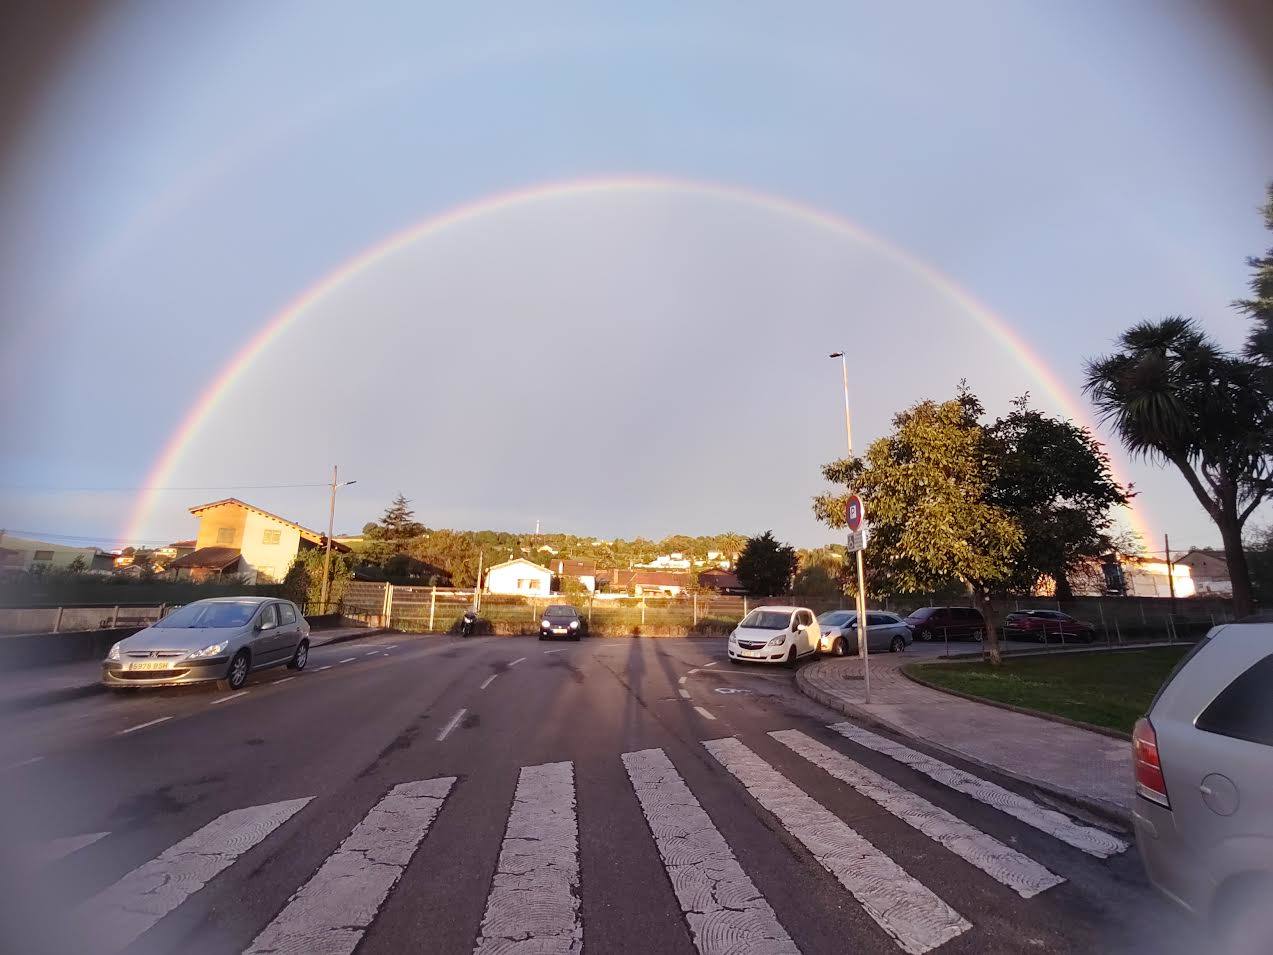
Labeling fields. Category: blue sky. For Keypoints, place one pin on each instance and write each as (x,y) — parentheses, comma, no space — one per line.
(615,364)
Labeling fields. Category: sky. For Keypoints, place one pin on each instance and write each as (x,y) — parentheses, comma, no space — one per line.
(699,203)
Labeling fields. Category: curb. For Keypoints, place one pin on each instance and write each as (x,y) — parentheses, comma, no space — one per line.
(359,635)
(971,655)
(1012,707)
(1108,812)
(40,698)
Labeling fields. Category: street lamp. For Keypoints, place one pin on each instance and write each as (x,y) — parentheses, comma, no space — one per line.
(861,588)
(331,523)
(844,375)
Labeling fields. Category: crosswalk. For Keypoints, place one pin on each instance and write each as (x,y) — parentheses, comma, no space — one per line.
(537,886)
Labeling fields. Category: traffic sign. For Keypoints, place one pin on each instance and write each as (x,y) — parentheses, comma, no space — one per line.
(858,539)
(854,513)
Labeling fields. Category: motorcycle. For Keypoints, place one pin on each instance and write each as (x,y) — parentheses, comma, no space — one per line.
(469,624)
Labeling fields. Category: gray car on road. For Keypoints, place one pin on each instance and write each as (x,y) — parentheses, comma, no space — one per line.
(222,639)
(1203,760)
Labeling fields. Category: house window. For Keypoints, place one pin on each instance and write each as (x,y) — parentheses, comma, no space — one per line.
(271,537)
(43,555)
(524,583)
(225,535)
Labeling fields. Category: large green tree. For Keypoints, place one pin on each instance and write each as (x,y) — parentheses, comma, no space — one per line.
(1259,307)
(1055,479)
(928,490)
(765,565)
(1174,397)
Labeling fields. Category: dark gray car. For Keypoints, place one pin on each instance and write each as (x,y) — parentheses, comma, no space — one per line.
(222,639)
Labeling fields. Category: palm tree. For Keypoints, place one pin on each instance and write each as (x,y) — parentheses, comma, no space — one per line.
(1172,396)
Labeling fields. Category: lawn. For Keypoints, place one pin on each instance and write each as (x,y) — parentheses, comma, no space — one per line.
(1105,689)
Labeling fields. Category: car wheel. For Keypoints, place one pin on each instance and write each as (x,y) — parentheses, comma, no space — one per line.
(977,635)
(926,636)
(237,674)
(837,647)
(575,637)
(791,658)
(300,657)
(897,646)
(542,637)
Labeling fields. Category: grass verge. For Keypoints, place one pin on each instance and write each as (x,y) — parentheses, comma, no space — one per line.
(1104,689)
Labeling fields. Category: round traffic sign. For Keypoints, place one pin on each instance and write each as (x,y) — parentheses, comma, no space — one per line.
(854,513)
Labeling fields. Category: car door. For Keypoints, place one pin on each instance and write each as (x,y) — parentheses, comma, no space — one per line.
(264,643)
(289,630)
(879,631)
(812,633)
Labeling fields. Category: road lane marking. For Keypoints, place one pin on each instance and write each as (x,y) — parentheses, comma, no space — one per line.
(284,680)
(685,694)
(534,901)
(115,917)
(142,726)
(60,848)
(916,918)
(24,762)
(372,653)
(553,651)
(392,646)
(517,661)
(1018,872)
(455,721)
(232,696)
(712,664)
(347,660)
(704,713)
(334,908)
(488,681)
(1093,841)
(682,679)
(725,910)
(321,669)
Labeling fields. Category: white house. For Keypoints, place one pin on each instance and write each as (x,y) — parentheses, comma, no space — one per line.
(519,576)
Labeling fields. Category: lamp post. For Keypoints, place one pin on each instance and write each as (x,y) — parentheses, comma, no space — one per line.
(331,522)
(861,588)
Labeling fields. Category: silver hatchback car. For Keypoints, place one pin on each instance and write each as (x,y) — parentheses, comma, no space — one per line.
(222,639)
(1204,784)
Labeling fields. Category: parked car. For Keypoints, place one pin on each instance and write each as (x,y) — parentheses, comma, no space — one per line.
(941,623)
(775,635)
(561,620)
(221,639)
(1042,624)
(884,631)
(1203,758)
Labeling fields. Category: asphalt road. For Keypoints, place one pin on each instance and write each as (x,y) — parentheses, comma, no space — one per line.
(505,795)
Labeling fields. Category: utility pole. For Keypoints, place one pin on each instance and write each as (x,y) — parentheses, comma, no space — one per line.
(331,526)
(1171,576)
(477,589)
(861,587)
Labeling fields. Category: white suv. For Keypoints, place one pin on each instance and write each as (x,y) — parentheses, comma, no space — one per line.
(775,635)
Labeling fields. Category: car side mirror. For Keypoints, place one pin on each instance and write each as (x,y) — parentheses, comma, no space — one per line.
(259,626)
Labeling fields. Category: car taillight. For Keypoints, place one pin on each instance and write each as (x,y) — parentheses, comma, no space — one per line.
(1149,778)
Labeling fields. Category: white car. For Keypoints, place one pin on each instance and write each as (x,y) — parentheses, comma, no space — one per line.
(884,631)
(775,635)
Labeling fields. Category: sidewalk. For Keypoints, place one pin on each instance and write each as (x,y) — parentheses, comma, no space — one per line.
(1075,764)
(29,687)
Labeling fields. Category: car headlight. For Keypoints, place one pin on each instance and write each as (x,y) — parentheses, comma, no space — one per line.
(574,624)
(211,651)
(114,653)
(544,623)
(778,640)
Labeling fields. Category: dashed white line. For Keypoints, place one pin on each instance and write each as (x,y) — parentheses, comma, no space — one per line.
(321,669)
(232,696)
(534,901)
(712,664)
(488,681)
(899,903)
(704,713)
(284,680)
(725,910)
(24,762)
(685,694)
(517,661)
(553,651)
(372,653)
(682,679)
(455,721)
(392,646)
(142,726)
(347,660)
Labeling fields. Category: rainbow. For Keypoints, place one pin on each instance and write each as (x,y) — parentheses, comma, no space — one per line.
(162,470)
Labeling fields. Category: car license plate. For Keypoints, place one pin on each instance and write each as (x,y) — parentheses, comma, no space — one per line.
(149,665)
(753,653)
(559,629)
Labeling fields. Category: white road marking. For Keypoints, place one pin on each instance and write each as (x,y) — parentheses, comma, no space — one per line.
(392,646)
(725,910)
(488,681)
(916,918)
(1018,872)
(455,721)
(56,849)
(682,679)
(704,713)
(24,762)
(142,726)
(372,653)
(685,694)
(517,661)
(284,680)
(347,660)
(534,900)
(115,917)
(321,669)
(1091,840)
(333,909)
(553,651)
(232,696)
(712,664)
(693,671)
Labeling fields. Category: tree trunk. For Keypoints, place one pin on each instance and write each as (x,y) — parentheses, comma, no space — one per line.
(981,600)
(1063,589)
(1235,557)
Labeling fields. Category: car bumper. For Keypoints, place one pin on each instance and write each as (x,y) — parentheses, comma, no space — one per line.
(763,655)
(186,672)
(1169,861)
(550,634)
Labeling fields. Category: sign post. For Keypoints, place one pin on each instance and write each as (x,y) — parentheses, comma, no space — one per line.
(854,515)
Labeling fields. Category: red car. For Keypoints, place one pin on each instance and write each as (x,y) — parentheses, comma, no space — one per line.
(1043,625)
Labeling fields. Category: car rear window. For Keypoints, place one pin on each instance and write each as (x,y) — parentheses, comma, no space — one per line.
(1244,708)
(923,613)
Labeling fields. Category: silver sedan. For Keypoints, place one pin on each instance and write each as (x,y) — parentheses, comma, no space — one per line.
(884,631)
(222,639)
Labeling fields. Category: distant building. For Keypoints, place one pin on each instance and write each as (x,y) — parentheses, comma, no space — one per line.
(723,581)
(666,562)
(1209,571)
(19,554)
(640,582)
(519,576)
(238,539)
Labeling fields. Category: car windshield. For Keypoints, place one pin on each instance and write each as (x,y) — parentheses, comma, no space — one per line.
(560,611)
(836,618)
(766,620)
(199,615)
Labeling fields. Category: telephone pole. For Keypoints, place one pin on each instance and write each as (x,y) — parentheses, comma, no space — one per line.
(1171,577)
(331,526)
(863,650)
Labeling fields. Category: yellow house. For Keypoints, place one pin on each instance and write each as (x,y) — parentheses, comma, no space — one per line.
(237,539)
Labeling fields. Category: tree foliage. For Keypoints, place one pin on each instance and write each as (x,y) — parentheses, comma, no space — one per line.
(1259,307)
(766,565)
(304,579)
